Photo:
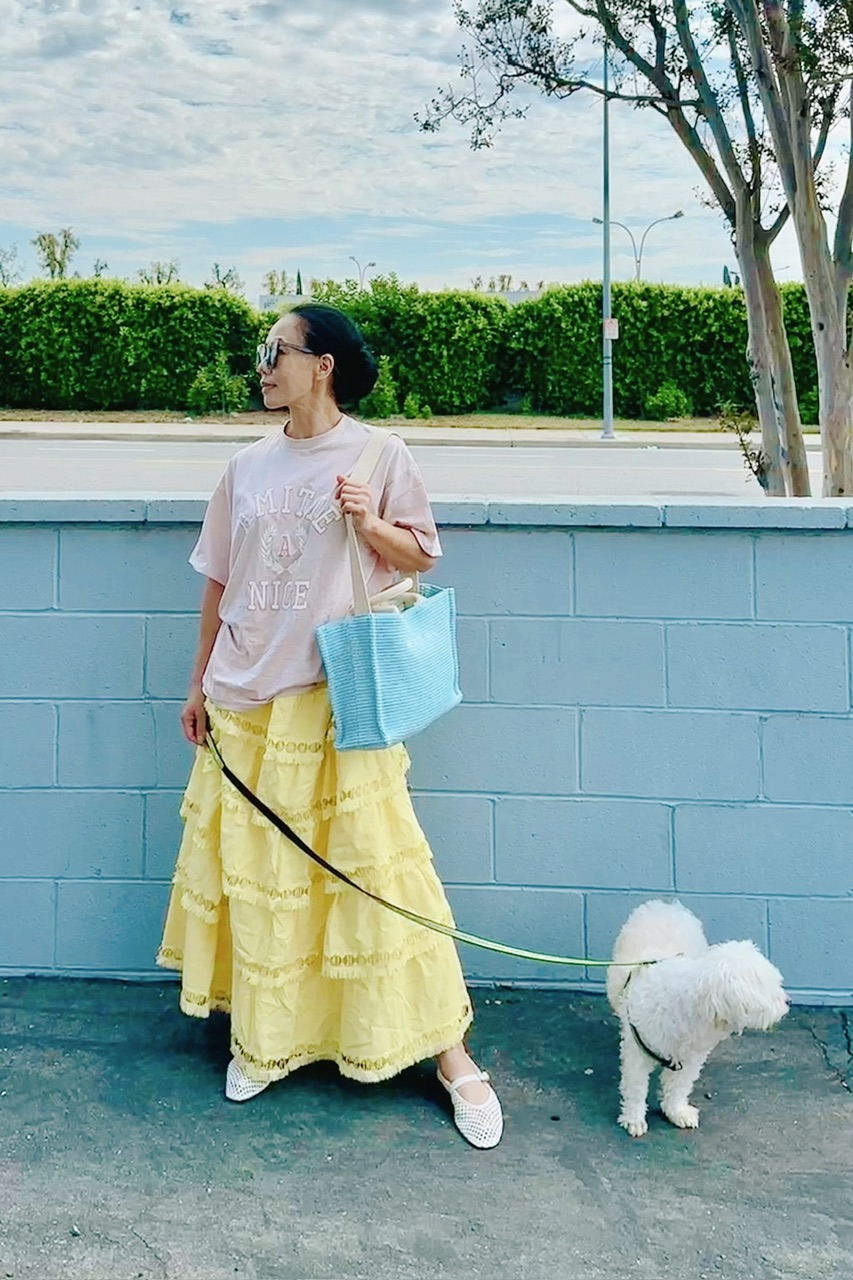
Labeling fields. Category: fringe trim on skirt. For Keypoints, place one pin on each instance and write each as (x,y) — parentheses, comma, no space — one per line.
(308,968)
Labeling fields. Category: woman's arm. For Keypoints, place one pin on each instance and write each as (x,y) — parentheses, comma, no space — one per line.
(193,715)
(398,546)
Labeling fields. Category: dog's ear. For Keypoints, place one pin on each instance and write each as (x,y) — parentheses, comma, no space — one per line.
(740,988)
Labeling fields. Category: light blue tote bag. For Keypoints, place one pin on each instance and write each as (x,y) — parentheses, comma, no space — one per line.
(392,667)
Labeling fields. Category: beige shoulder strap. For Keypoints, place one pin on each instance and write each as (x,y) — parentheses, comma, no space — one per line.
(370,455)
(360,474)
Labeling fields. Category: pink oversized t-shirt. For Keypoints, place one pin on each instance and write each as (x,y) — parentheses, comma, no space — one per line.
(274,535)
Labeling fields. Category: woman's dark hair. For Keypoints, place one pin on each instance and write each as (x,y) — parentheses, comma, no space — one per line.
(327,331)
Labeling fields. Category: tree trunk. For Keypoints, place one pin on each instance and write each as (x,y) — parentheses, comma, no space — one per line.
(829,331)
(758,353)
(783,384)
(835,390)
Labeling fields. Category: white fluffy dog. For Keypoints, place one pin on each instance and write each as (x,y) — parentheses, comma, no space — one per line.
(675,1012)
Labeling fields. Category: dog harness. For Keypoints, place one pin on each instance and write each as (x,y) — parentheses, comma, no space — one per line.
(669,1063)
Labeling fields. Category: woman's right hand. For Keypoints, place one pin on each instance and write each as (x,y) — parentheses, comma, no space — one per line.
(194,718)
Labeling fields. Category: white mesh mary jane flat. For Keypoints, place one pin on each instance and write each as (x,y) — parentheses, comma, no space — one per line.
(480,1123)
(240,1087)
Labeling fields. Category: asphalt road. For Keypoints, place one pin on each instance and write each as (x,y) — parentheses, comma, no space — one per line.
(450,472)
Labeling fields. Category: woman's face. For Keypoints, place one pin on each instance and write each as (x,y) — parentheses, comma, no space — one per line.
(296,375)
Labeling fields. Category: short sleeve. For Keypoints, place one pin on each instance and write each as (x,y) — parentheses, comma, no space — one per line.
(404,500)
(211,555)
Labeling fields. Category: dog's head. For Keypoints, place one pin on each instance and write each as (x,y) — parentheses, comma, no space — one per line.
(741,988)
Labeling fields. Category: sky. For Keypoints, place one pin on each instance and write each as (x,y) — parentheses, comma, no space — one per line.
(263,134)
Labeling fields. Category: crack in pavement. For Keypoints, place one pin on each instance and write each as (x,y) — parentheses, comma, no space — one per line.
(841,1076)
(152,1250)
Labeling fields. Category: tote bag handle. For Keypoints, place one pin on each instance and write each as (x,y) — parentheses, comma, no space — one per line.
(404,590)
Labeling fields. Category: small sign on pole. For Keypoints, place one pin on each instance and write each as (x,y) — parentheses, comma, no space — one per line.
(611,328)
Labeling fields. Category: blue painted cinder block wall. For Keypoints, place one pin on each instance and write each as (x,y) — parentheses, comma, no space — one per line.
(657,702)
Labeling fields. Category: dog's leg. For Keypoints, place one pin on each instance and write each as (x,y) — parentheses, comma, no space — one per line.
(633,1084)
(675,1092)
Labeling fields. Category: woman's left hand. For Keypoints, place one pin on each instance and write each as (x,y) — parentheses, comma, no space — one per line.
(354,500)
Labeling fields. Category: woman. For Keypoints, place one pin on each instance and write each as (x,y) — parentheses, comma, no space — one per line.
(308,968)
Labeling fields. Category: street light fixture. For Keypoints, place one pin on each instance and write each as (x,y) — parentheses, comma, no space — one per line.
(362,270)
(638,253)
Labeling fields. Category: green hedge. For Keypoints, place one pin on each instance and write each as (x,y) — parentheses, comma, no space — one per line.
(104,344)
(448,349)
(694,338)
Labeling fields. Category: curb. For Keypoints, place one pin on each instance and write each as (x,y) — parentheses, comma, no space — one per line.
(455,437)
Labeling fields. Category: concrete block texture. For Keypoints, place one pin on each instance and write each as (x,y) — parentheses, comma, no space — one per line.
(107,744)
(661,574)
(704,755)
(142,569)
(27,744)
(473,645)
(110,925)
(763,667)
(577,662)
(72,834)
(27,913)
(170,645)
(54,655)
(805,577)
(28,567)
(508,571)
(809,759)
(175,755)
(498,749)
(764,849)
(583,842)
(649,710)
(163,831)
(544,920)
(811,941)
(459,831)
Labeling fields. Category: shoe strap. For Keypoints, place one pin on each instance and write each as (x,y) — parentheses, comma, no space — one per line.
(475,1077)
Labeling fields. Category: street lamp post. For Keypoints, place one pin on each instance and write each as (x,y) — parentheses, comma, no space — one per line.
(638,253)
(607,432)
(362,270)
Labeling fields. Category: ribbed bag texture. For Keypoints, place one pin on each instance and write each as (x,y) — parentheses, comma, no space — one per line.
(391,674)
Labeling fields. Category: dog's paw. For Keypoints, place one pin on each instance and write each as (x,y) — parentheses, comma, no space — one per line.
(685,1117)
(636,1127)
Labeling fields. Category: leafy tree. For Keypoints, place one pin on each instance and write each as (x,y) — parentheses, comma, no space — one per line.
(383,400)
(55,251)
(277,283)
(216,390)
(9,272)
(99,268)
(228,279)
(299,283)
(160,272)
(752,89)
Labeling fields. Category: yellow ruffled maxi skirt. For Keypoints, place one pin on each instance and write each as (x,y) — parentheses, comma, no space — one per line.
(307,967)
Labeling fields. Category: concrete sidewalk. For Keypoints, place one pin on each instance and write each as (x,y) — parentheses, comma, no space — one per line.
(197,432)
(121,1160)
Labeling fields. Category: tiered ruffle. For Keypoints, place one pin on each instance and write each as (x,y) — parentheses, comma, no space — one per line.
(308,968)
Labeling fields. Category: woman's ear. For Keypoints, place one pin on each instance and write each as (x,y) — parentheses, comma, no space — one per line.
(325,366)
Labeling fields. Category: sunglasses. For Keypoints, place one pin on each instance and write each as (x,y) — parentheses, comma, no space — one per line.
(268,352)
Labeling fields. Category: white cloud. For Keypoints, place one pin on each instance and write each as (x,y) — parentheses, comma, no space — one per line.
(144,120)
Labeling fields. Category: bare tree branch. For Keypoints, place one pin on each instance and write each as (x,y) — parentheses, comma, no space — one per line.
(710,104)
(843,248)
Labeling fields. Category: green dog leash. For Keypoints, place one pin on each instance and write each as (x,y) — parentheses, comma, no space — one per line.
(436,926)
